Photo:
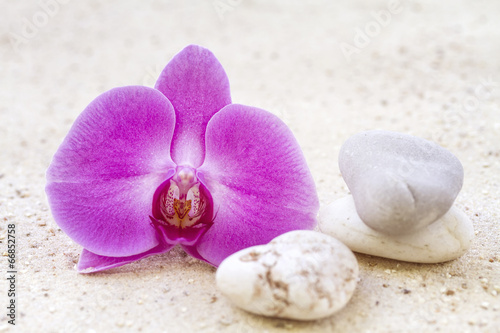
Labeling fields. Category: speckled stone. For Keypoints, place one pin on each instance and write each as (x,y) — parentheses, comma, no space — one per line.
(400,183)
(446,239)
(303,275)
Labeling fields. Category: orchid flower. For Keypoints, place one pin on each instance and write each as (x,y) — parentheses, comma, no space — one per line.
(143,170)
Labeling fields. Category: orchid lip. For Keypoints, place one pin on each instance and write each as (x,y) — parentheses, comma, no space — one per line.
(182,208)
(173,235)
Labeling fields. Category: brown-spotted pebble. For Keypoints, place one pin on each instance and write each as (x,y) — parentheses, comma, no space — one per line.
(302,275)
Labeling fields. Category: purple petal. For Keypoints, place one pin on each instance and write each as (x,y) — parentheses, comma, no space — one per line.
(90,262)
(196,84)
(259,180)
(101,182)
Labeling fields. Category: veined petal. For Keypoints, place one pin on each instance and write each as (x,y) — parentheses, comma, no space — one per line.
(196,84)
(102,179)
(259,181)
(90,262)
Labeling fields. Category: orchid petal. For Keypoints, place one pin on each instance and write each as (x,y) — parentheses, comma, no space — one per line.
(101,182)
(197,86)
(90,262)
(258,178)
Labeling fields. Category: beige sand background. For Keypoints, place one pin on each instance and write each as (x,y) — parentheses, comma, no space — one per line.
(432,70)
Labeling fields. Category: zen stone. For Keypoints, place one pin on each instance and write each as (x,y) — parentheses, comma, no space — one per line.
(446,239)
(400,183)
(301,275)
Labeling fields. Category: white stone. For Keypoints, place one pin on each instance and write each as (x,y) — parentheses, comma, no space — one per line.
(400,183)
(446,239)
(302,275)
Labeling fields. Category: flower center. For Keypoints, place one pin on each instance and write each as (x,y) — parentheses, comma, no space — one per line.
(182,208)
(182,205)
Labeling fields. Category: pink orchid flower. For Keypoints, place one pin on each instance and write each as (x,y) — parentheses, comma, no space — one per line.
(142,170)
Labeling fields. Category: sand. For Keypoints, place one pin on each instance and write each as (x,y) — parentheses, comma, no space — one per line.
(329,71)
